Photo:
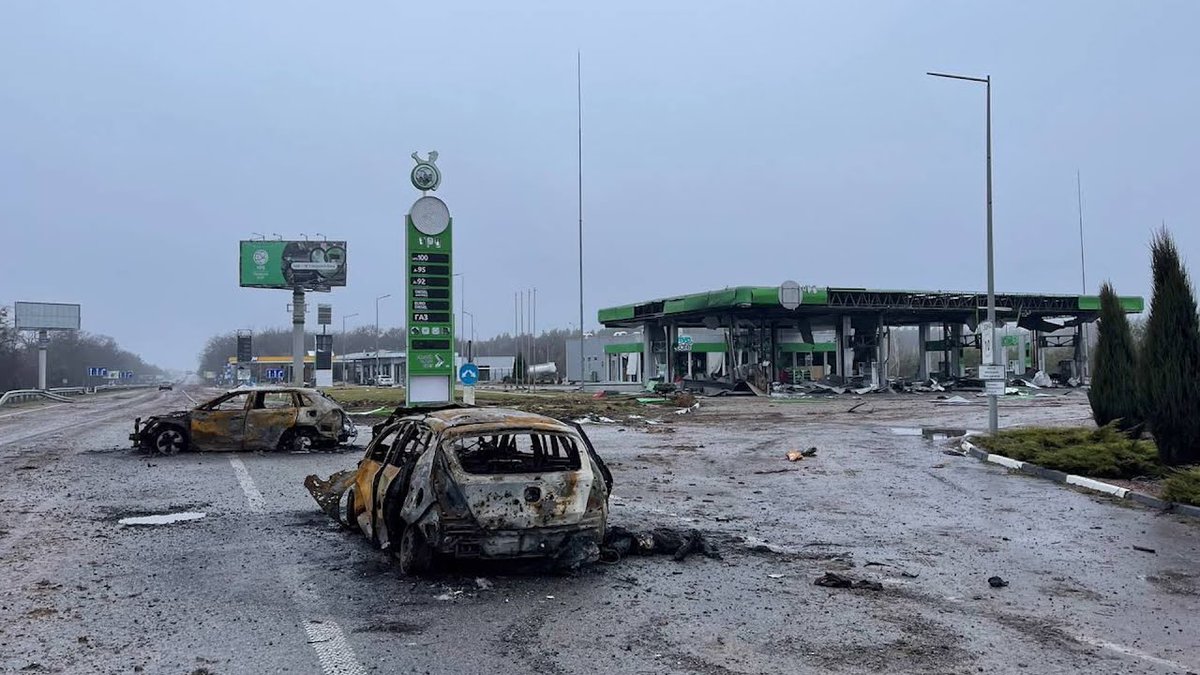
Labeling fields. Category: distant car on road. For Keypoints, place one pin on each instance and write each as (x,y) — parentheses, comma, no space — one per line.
(484,483)
(251,418)
(385,381)
(165,386)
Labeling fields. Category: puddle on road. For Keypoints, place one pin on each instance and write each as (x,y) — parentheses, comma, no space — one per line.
(163,518)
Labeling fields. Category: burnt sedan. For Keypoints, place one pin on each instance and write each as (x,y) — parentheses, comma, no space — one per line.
(474,483)
(259,418)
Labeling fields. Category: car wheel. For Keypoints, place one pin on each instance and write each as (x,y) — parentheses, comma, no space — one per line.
(416,557)
(297,440)
(351,518)
(169,440)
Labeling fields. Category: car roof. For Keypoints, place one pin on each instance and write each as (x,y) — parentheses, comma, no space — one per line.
(462,418)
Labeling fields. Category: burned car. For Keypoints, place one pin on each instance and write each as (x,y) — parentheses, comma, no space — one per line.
(474,483)
(256,418)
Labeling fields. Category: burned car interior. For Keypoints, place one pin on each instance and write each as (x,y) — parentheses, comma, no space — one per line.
(516,453)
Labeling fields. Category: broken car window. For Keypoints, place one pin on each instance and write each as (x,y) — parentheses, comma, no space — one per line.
(235,402)
(379,450)
(516,453)
(274,400)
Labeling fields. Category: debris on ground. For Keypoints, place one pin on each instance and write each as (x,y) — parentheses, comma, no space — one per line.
(620,542)
(483,584)
(997,582)
(794,456)
(835,580)
(1143,549)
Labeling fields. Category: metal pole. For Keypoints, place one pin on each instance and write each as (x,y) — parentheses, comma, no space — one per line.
(533,330)
(993,410)
(344,317)
(1082,269)
(579,110)
(993,401)
(387,295)
(298,337)
(43,341)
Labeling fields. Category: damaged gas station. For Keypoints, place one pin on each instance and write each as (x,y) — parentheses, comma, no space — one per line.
(749,337)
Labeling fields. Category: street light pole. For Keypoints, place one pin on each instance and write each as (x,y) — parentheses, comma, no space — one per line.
(462,302)
(344,317)
(387,295)
(993,406)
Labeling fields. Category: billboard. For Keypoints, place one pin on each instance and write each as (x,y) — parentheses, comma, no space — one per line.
(45,316)
(309,265)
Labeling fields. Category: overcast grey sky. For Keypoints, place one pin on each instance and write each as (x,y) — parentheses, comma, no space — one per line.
(724,143)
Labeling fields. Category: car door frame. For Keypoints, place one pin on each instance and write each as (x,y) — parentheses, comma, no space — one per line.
(397,468)
(366,477)
(283,418)
(204,432)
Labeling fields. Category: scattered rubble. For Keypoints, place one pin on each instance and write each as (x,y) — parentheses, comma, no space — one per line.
(835,580)
(620,542)
(997,582)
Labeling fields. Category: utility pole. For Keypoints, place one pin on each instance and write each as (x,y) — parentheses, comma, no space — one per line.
(993,406)
(387,295)
(344,317)
(579,111)
(1083,276)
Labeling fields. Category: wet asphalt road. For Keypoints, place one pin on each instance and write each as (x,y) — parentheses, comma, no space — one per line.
(265,583)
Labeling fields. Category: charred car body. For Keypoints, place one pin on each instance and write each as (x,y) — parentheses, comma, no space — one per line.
(474,483)
(256,418)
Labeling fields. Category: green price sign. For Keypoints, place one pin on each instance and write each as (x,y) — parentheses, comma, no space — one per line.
(429,303)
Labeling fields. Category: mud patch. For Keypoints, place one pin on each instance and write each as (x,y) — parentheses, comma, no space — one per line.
(1175,583)
(392,627)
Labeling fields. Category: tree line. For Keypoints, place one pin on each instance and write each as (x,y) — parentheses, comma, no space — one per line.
(69,356)
(549,346)
(1152,384)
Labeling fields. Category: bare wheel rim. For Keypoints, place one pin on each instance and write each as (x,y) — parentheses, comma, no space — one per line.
(169,441)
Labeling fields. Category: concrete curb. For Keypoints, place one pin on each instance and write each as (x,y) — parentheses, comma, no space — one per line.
(972,450)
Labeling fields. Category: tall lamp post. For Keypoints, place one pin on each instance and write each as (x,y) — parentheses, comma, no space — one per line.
(462,302)
(344,317)
(386,295)
(993,410)
(469,356)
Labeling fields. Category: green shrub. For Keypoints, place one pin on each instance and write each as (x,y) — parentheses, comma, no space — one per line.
(1169,372)
(1183,487)
(1114,391)
(1098,453)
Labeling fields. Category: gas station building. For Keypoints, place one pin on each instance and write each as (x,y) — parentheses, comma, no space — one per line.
(717,339)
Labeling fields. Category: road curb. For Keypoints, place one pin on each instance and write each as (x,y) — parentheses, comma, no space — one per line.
(971,450)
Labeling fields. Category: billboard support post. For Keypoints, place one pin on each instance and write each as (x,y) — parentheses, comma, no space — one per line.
(298,337)
(43,342)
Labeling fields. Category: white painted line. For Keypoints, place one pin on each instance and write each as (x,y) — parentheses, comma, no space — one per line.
(1136,653)
(334,653)
(43,407)
(189,397)
(253,496)
(1096,485)
(1005,461)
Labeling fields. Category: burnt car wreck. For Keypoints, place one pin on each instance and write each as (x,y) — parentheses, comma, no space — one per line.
(476,484)
(261,419)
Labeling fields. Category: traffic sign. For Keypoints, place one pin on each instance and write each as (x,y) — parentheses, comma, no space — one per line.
(468,374)
(988,372)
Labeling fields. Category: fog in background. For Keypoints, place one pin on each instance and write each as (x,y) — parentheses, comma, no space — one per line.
(724,143)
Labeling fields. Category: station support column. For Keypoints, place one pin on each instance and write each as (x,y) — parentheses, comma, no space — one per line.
(298,337)
(922,354)
(647,352)
(43,342)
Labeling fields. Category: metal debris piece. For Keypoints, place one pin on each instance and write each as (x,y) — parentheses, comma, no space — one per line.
(997,582)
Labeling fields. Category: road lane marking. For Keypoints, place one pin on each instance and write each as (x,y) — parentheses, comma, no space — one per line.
(1136,653)
(334,653)
(325,635)
(44,407)
(253,496)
